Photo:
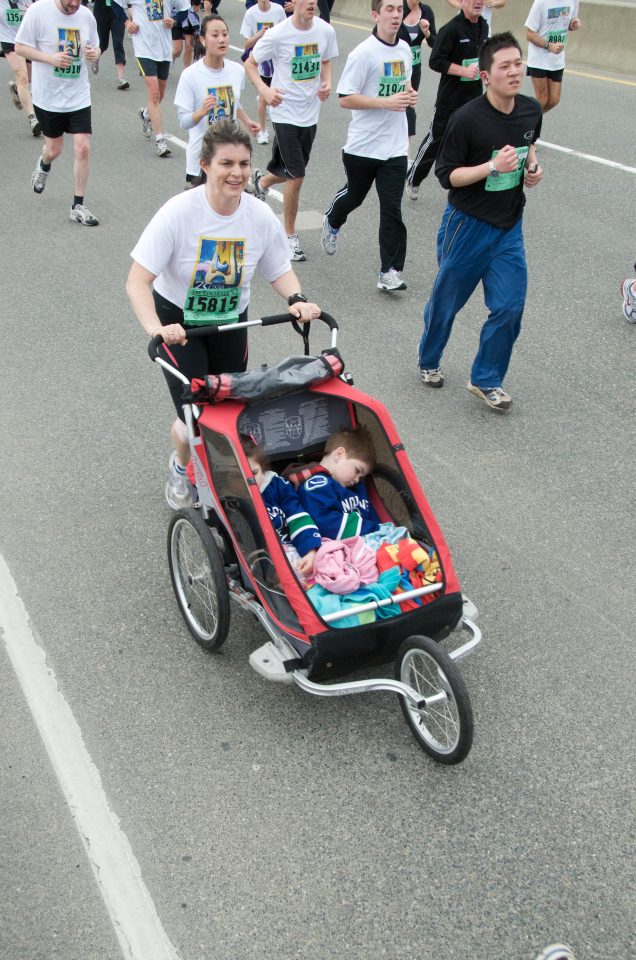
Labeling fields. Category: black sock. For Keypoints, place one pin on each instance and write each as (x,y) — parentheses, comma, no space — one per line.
(77,201)
(45,166)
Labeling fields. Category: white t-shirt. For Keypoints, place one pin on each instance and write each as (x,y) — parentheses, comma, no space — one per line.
(11,16)
(297,56)
(59,89)
(153,40)
(550,20)
(377,69)
(195,84)
(204,262)
(255,19)
(178,6)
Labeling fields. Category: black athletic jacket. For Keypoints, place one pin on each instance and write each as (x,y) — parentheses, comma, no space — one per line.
(457,41)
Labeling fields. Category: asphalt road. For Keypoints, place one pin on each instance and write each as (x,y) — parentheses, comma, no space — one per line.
(267,823)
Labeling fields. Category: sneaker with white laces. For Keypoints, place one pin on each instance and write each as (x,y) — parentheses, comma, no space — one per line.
(36,129)
(557,951)
(391,280)
(262,136)
(433,377)
(328,237)
(296,251)
(259,192)
(122,84)
(412,191)
(38,178)
(179,491)
(15,96)
(628,292)
(495,397)
(162,148)
(146,124)
(81,214)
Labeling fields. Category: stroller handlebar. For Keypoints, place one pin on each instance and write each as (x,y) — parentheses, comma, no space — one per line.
(270,321)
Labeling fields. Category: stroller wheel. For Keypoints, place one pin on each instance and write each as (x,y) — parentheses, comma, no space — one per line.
(444,729)
(196,570)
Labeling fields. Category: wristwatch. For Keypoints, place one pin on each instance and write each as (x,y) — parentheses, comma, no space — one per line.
(296,298)
(493,169)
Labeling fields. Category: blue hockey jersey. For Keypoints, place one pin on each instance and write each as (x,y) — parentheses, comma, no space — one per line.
(287,514)
(338,511)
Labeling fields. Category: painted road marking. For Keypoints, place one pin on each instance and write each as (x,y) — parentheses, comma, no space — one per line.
(130,907)
(586,156)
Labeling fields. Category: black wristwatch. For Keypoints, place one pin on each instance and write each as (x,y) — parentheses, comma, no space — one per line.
(296,298)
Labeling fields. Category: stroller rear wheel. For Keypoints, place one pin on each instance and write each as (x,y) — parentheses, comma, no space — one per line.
(198,579)
(443,729)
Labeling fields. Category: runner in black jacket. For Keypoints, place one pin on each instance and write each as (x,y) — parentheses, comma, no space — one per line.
(455,56)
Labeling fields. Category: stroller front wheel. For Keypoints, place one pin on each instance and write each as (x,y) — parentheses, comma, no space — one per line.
(443,729)
(198,579)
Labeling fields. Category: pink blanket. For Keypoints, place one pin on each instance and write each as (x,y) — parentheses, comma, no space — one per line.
(342,566)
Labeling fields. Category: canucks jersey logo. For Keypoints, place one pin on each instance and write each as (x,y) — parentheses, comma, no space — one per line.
(314,483)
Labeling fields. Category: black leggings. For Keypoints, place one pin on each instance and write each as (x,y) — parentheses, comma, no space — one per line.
(218,353)
(109,23)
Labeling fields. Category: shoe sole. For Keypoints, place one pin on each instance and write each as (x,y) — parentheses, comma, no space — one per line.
(82,223)
(385,289)
(123,86)
(499,407)
(36,131)
(296,259)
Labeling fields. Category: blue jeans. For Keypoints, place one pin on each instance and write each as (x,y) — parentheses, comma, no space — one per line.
(470,250)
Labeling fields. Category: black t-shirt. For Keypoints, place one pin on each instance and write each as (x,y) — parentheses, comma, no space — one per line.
(475,133)
(458,41)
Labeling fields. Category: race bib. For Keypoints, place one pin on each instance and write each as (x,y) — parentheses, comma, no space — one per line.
(154,9)
(224,106)
(305,64)
(469,63)
(393,79)
(14,17)
(507,181)
(215,288)
(557,36)
(416,53)
(69,42)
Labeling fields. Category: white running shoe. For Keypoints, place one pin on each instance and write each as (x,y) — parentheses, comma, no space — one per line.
(179,490)
(391,280)
(36,130)
(262,136)
(122,84)
(38,178)
(15,96)
(433,377)
(412,192)
(162,148)
(81,214)
(146,125)
(557,951)
(296,251)
(328,237)
(259,192)
(628,292)
(495,397)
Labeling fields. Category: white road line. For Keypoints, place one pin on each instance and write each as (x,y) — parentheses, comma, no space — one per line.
(586,156)
(276,194)
(133,914)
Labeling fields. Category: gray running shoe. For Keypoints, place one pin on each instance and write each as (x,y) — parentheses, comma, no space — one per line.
(146,125)
(259,192)
(391,280)
(122,84)
(15,96)
(433,377)
(412,192)
(36,130)
(495,397)
(628,292)
(81,214)
(38,178)
(162,148)
(179,491)
(328,237)
(557,951)
(296,252)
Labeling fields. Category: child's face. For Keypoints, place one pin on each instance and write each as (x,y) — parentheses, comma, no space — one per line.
(347,470)
(256,469)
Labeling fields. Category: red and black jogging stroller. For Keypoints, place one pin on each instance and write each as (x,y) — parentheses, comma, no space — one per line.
(225,548)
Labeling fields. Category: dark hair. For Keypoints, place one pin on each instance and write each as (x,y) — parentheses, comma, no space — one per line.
(221,133)
(488,49)
(252,449)
(357,443)
(197,46)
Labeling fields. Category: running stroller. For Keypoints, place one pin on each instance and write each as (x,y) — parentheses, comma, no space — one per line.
(226,549)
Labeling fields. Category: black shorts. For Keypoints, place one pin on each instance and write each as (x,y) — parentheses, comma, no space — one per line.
(55,125)
(182,26)
(154,68)
(218,353)
(556,76)
(266,80)
(292,148)
(7,47)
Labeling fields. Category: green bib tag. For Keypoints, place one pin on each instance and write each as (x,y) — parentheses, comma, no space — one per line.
(393,79)
(69,42)
(507,181)
(305,64)
(14,17)
(416,53)
(224,106)
(557,36)
(214,293)
(469,63)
